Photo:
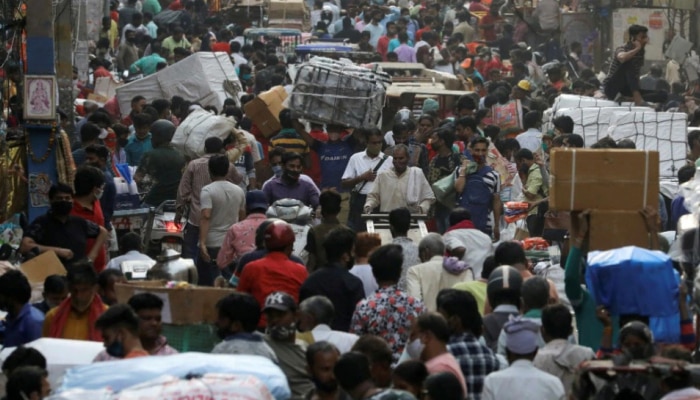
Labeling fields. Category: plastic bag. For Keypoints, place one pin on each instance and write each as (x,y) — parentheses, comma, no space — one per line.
(623,279)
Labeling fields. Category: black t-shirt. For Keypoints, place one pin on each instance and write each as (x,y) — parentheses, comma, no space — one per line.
(72,234)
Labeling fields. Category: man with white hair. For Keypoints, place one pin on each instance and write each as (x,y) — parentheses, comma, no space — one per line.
(521,348)
(465,242)
(424,281)
(317,314)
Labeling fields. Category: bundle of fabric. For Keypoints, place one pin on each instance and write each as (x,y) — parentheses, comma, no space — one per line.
(515,211)
(664,132)
(592,123)
(335,92)
(574,101)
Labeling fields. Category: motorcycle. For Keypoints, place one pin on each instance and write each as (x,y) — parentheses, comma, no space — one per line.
(163,231)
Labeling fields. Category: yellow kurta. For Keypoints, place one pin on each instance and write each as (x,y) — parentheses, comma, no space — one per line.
(77,325)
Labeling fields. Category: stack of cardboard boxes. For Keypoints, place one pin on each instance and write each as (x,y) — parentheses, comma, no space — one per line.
(614,184)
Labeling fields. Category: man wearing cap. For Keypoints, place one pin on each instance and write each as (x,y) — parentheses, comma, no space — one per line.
(521,92)
(521,349)
(240,237)
(275,271)
(282,315)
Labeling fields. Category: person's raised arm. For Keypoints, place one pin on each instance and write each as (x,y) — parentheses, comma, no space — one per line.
(625,56)
(651,219)
(572,274)
(301,130)
(606,346)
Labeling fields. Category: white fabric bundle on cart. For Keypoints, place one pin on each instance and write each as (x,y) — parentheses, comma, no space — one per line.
(664,132)
(592,122)
(123,374)
(334,92)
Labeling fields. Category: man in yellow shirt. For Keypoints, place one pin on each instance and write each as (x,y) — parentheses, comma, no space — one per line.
(110,31)
(75,317)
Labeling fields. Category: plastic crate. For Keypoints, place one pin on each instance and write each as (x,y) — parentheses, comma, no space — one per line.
(183,338)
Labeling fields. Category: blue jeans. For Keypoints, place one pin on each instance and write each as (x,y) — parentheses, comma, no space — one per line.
(190,238)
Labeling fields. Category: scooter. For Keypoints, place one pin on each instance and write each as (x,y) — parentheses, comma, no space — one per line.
(162,230)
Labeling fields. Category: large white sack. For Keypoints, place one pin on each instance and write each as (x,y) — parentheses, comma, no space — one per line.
(200,125)
(664,132)
(592,122)
(61,355)
(199,78)
(574,101)
(122,374)
(209,386)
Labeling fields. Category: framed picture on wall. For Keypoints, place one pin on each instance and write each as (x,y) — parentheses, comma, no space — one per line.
(39,97)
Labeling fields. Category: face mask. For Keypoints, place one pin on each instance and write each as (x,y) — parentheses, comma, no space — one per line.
(116,349)
(122,142)
(415,349)
(282,333)
(277,170)
(61,208)
(103,134)
(245,77)
(292,175)
(98,195)
(325,387)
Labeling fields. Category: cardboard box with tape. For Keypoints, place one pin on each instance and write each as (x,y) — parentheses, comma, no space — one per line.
(264,110)
(625,180)
(181,306)
(614,229)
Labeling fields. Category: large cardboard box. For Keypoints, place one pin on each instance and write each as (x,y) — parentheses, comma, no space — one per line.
(187,306)
(614,229)
(264,110)
(41,266)
(583,179)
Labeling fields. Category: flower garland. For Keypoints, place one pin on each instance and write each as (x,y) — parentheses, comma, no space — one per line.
(49,147)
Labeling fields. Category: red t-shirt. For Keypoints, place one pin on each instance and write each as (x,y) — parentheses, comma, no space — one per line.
(175,5)
(489,33)
(315,171)
(383,46)
(420,32)
(272,273)
(95,215)
(222,47)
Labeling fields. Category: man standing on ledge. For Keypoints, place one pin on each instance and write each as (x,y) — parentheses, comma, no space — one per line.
(623,76)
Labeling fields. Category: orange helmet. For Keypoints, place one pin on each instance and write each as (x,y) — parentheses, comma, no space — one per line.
(278,235)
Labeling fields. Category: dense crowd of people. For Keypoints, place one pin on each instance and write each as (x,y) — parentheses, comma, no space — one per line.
(460,312)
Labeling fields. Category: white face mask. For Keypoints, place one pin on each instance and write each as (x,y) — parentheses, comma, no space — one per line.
(103,134)
(415,349)
(98,194)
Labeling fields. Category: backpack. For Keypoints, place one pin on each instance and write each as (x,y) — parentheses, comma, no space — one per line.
(477,198)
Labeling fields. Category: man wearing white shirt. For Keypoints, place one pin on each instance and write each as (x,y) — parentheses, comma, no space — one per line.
(424,281)
(531,139)
(136,25)
(130,248)
(317,314)
(236,55)
(375,29)
(508,384)
(360,174)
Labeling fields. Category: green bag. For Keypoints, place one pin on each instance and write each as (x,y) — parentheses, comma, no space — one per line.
(444,190)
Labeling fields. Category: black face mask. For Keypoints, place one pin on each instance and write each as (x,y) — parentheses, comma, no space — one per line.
(292,175)
(61,208)
(122,142)
(325,387)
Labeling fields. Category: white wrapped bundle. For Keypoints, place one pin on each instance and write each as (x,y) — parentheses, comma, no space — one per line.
(574,101)
(209,386)
(664,132)
(592,122)
(330,91)
(200,125)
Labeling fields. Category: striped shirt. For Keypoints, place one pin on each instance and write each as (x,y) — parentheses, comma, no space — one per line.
(195,177)
(289,140)
(635,63)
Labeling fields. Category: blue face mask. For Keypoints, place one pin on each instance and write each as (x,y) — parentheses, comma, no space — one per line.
(245,77)
(116,349)
(277,170)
